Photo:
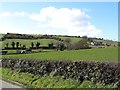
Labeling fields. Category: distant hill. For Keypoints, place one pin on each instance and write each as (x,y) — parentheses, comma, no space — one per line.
(50,38)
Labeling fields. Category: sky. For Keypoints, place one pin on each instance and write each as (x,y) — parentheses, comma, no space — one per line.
(92,19)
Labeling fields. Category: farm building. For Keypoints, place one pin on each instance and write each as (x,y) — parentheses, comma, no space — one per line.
(96,43)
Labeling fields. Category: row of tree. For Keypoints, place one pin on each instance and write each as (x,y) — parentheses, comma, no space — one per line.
(30,36)
(17,45)
(66,44)
(13,44)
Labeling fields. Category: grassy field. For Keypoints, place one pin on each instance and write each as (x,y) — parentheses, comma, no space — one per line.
(72,39)
(35,81)
(43,42)
(98,54)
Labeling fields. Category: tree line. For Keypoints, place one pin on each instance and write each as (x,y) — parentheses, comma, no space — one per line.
(37,36)
(17,45)
(66,44)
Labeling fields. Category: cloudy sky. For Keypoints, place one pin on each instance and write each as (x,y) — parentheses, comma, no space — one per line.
(94,19)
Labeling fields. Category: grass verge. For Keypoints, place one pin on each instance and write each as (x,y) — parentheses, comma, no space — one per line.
(35,81)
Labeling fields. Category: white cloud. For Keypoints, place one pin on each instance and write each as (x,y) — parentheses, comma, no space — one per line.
(9,14)
(23,14)
(11,29)
(59,21)
(69,21)
(5,14)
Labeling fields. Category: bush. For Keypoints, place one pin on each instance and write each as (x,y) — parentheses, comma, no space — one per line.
(97,72)
(50,45)
(37,45)
(31,81)
(60,46)
(24,47)
(13,45)
(82,44)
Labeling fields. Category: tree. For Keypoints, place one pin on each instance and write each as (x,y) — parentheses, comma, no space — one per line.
(6,45)
(82,44)
(17,44)
(61,46)
(57,46)
(24,47)
(37,45)
(32,44)
(13,45)
(90,39)
(67,42)
(50,45)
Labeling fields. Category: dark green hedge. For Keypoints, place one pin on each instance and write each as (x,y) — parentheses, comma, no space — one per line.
(98,72)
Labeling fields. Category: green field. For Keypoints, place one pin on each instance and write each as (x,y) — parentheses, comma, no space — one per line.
(43,42)
(72,39)
(98,54)
(27,42)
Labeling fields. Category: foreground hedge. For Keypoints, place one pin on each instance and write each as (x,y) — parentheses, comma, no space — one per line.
(98,72)
(28,80)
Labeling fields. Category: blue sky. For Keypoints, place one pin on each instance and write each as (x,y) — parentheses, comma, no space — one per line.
(94,19)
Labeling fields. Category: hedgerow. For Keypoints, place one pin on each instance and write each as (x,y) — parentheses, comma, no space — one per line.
(97,72)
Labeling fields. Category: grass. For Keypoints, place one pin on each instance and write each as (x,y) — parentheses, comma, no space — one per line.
(43,42)
(98,54)
(11,52)
(73,39)
(35,81)
(30,80)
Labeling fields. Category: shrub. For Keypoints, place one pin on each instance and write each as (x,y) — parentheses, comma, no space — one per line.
(17,44)
(37,45)
(67,42)
(32,45)
(82,44)
(50,45)
(97,72)
(13,45)
(24,47)
(61,46)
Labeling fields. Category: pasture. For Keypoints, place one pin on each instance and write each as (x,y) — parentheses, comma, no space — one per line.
(27,42)
(72,39)
(43,42)
(97,54)
(108,54)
